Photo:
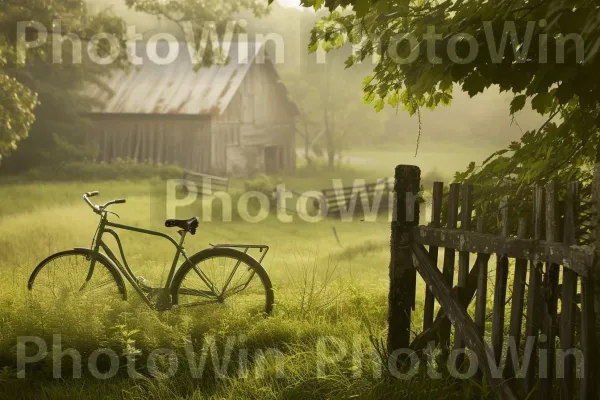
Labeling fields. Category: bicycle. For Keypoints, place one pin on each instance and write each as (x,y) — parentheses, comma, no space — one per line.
(90,273)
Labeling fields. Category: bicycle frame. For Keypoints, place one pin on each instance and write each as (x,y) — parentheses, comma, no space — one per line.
(141,289)
(124,268)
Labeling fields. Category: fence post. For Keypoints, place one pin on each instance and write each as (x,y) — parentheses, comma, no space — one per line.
(402,270)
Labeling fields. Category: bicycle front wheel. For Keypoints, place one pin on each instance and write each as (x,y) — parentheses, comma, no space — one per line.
(65,277)
(224,280)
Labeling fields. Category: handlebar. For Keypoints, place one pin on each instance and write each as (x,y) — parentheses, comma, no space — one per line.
(98,209)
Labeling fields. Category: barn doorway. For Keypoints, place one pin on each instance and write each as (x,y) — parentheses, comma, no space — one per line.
(273,159)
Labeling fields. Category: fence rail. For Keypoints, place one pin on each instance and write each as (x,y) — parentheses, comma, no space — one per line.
(207,184)
(549,275)
(334,200)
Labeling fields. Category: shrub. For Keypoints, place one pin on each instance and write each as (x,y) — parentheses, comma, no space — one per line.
(263,184)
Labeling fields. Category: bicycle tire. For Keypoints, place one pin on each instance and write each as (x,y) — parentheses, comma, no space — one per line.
(106,274)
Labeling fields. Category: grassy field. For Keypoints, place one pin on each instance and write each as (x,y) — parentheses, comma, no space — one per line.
(325,286)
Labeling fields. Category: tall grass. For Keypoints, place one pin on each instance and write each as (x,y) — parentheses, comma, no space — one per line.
(322,288)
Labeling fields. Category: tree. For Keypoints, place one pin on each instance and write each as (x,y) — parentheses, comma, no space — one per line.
(333,115)
(55,130)
(16,101)
(544,52)
(16,113)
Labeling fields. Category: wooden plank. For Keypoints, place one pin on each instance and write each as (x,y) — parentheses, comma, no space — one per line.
(369,187)
(465,224)
(466,211)
(534,303)
(138,141)
(105,155)
(114,137)
(460,319)
(194,174)
(441,322)
(481,299)
(343,193)
(160,144)
(518,299)
(547,369)
(500,290)
(402,293)
(450,253)
(577,258)
(588,339)
(451,222)
(151,144)
(436,215)
(569,289)
(130,137)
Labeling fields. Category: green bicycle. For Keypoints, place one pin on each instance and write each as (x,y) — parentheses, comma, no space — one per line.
(222,275)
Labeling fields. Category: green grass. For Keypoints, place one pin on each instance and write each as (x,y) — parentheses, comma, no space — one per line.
(323,288)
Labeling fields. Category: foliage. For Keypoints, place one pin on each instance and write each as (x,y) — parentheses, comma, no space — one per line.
(520,49)
(16,113)
(60,132)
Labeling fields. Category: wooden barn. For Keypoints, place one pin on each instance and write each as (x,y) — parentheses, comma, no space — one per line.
(232,119)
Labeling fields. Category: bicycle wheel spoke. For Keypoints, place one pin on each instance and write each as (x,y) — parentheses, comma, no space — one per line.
(230,278)
(199,303)
(97,286)
(243,286)
(195,292)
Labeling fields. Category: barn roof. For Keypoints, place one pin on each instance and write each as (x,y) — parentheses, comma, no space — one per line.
(176,88)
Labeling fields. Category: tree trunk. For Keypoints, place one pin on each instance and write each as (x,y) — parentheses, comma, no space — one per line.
(330,147)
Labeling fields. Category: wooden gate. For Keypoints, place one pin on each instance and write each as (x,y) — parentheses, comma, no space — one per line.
(549,275)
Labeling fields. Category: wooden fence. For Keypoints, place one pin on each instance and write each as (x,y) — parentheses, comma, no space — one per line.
(207,184)
(551,286)
(336,202)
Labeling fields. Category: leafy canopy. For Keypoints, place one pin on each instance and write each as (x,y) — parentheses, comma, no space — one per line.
(544,52)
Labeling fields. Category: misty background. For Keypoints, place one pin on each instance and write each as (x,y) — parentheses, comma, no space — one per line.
(470,129)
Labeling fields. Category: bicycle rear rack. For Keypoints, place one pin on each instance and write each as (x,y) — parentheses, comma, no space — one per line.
(263,248)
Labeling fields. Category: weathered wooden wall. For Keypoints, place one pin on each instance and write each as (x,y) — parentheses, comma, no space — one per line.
(181,141)
(257,117)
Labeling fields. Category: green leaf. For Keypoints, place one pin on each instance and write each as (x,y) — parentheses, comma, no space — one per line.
(514,146)
(564,93)
(446,99)
(497,153)
(361,7)
(474,84)
(393,99)
(541,102)
(368,98)
(517,103)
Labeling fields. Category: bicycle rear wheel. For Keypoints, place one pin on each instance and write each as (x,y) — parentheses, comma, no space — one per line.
(224,280)
(63,277)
